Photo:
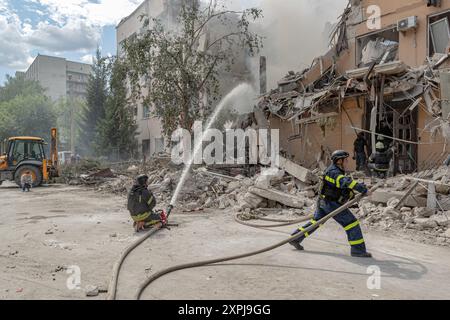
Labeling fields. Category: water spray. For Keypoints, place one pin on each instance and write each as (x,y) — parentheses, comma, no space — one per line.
(238,90)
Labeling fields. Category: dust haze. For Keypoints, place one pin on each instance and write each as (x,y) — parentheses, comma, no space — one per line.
(295,31)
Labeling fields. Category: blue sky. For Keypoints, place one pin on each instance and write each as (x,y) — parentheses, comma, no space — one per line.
(68,28)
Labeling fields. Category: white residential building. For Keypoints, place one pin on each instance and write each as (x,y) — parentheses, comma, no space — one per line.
(60,78)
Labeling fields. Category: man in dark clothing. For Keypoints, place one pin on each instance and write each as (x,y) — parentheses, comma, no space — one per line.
(337,189)
(141,203)
(360,147)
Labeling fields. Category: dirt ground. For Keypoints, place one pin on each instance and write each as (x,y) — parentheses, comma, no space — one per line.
(53,228)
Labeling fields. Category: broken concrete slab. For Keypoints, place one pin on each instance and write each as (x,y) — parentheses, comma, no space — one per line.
(441,220)
(278,196)
(383,196)
(424,223)
(424,212)
(251,201)
(299,172)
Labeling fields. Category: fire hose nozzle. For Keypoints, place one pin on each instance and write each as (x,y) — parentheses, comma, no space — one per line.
(169,209)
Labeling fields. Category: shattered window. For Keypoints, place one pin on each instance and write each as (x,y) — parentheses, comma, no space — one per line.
(378,47)
(440,35)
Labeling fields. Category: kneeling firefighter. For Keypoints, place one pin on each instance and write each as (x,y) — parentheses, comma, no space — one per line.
(337,189)
(141,203)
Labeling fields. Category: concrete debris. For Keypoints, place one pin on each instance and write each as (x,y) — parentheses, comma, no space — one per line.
(429,225)
(278,196)
(289,190)
(91,291)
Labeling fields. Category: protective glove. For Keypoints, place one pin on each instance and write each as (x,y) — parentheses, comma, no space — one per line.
(163,217)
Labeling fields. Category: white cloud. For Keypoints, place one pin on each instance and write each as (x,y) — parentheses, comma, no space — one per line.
(87,58)
(76,36)
(65,26)
(99,13)
(14,52)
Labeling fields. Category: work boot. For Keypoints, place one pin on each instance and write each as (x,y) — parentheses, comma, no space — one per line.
(362,255)
(297,245)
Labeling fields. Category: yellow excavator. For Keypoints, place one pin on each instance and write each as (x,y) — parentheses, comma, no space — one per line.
(27,154)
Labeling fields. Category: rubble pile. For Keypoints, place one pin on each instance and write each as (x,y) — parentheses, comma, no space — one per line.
(289,190)
(272,188)
(418,214)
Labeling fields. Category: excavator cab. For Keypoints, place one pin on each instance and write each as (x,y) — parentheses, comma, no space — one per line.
(25,148)
(27,154)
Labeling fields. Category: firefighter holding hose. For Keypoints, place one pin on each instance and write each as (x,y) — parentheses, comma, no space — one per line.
(141,202)
(337,189)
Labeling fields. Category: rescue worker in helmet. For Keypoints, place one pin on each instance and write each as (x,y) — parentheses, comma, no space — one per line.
(337,189)
(379,162)
(141,203)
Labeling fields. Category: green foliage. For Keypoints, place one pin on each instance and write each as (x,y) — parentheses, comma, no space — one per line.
(18,85)
(25,110)
(181,65)
(69,110)
(27,115)
(94,110)
(117,131)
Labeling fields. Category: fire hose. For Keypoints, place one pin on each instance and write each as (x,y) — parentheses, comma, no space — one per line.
(163,272)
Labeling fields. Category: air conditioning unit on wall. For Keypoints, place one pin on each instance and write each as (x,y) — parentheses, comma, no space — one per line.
(407,24)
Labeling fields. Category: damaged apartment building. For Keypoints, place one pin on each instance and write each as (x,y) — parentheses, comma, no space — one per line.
(392,80)
(150,136)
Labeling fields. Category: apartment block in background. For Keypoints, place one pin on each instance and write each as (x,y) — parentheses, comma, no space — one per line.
(60,77)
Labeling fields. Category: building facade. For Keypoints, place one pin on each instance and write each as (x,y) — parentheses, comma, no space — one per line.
(386,74)
(60,77)
(150,137)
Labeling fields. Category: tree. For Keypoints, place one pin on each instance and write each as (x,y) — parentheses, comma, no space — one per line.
(18,85)
(94,111)
(117,131)
(24,109)
(70,112)
(181,65)
(27,115)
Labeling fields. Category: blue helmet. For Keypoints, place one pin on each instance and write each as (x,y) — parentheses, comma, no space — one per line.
(339,154)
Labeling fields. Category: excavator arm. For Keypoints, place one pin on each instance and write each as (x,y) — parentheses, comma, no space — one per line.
(54,164)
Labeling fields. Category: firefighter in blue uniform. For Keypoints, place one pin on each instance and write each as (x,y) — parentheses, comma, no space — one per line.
(337,189)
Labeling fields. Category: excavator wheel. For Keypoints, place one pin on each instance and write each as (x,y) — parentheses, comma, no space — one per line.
(35,172)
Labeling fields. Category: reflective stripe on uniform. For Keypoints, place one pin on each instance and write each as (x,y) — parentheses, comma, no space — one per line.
(330,179)
(303,230)
(141,217)
(353,184)
(338,181)
(351,226)
(356,242)
(150,200)
(151,223)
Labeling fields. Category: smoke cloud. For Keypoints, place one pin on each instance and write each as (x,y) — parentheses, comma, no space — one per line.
(295,31)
